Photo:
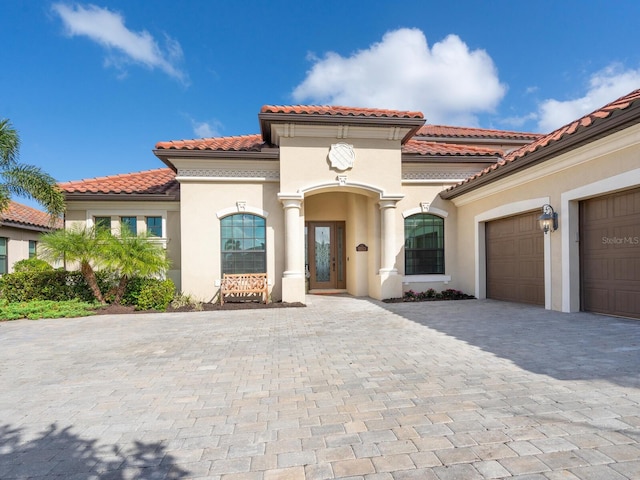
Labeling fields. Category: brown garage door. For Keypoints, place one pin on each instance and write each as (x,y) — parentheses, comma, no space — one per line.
(515,259)
(610,254)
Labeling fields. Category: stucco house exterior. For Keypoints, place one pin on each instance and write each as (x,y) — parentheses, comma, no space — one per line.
(20,230)
(375,202)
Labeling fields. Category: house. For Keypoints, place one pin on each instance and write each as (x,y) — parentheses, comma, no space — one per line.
(20,230)
(375,202)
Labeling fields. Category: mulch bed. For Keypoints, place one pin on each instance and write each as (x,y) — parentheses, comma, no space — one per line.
(206,307)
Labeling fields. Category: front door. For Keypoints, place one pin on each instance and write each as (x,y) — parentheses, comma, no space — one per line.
(326,255)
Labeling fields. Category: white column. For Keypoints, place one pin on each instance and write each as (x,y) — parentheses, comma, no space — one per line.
(294,253)
(388,231)
(293,281)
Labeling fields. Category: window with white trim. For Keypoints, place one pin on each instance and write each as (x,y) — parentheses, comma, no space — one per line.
(243,243)
(423,244)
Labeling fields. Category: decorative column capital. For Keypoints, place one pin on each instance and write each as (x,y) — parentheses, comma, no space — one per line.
(290,201)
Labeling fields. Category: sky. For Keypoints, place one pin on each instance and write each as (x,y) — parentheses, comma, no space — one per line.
(92,87)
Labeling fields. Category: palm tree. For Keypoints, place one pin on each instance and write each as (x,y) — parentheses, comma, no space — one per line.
(134,255)
(85,246)
(25,180)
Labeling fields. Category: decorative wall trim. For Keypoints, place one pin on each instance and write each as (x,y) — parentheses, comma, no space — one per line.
(425,207)
(437,175)
(242,207)
(228,173)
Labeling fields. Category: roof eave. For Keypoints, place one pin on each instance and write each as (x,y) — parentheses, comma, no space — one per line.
(618,120)
(147,197)
(164,154)
(268,118)
(26,226)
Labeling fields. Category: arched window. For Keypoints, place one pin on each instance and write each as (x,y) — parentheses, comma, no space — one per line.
(243,243)
(423,244)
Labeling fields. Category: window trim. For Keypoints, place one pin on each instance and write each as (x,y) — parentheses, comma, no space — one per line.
(223,239)
(431,274)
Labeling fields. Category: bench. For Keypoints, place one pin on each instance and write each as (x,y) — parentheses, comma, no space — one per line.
(244,285)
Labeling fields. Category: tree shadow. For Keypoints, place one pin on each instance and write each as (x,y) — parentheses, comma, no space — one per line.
(565,346)
(60,453)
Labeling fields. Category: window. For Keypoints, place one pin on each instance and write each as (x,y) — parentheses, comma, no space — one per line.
(243,242)
(102,223)
(423,244)
(154,226)
(130,223)
(33,245)
(4,264)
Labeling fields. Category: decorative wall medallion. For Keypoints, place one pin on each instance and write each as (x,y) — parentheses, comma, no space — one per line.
(341,156)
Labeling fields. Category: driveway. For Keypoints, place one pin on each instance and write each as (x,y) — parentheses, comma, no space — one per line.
(344,388)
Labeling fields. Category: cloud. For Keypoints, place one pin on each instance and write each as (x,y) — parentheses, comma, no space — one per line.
(204,129)
(604,87)
(449,83)
(125,47)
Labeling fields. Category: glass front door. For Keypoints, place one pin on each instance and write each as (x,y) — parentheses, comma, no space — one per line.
(326,255)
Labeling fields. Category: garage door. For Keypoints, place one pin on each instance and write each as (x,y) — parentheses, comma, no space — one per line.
(515,259)
(610,254)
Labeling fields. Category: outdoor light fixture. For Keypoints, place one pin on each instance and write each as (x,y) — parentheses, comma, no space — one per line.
(549,219)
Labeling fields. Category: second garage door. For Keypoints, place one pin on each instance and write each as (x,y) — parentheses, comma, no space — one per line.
(515,259)
(610,254)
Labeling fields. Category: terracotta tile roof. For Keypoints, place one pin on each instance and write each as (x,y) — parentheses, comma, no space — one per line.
(242,143)
(20,214)
(423,147)
(562,134)
(339,111)
(461,132)
(161,181)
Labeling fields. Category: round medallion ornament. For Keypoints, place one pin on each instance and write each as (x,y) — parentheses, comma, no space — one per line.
(341,156)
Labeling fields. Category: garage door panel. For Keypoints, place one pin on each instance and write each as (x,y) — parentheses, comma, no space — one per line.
(610,254)
(515,259)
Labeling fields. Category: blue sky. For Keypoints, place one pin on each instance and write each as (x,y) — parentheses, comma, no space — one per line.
(91,87)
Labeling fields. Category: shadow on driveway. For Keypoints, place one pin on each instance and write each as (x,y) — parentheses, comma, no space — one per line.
(60,453)
(565,346)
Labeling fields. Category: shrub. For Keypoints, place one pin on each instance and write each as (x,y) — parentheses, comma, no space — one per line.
(181,300)
(156,294)
(56,285)
(31,265)
(44,309)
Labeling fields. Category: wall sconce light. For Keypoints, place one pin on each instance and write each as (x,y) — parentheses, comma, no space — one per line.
(548,220)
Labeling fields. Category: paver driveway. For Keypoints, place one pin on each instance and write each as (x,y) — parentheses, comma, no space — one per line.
(344,388)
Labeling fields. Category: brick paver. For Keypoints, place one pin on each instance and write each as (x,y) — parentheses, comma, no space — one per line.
(344,388)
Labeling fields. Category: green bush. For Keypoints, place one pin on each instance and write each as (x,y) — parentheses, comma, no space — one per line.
(56,285)
(32,265)
(45,309)
(156,294)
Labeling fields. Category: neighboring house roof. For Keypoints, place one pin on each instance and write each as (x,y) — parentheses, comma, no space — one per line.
(21,216)
(242,143)
(443,131)
(617,115)
(158,184)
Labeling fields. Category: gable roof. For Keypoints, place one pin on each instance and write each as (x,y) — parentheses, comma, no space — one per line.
(22,216)
(158,184)
(338,111)
(438,149)
(615,116)
(409,121)
(241,143)
(443,131)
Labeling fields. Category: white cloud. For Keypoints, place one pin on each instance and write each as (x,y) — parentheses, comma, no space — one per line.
(107,28)
(604,87)
(204,129)
(448,83)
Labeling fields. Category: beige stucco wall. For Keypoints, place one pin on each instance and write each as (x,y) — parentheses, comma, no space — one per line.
(609,164)
(201,204)
(17,244)
(81,213)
